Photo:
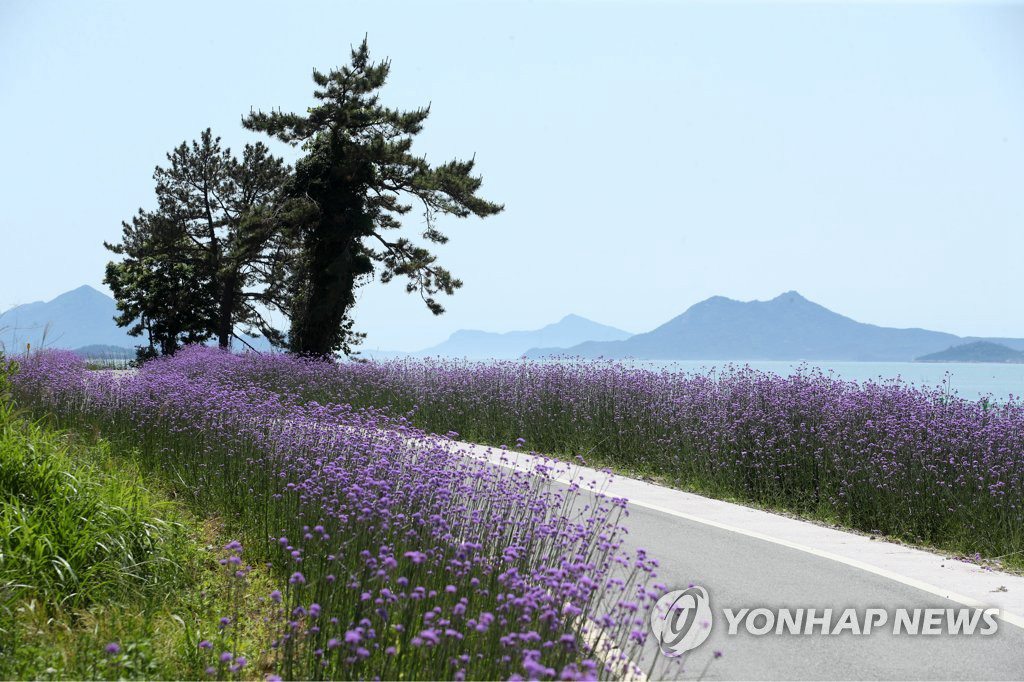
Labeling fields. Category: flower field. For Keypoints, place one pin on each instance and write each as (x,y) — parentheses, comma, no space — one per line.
(396,555)
(882,457)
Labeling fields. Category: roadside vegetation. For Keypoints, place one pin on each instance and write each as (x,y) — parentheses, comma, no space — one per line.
(916,464)
(101,576)
(390,554)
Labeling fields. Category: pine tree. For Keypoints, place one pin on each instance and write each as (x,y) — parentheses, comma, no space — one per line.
(160,285)
(231,211)
(361,177)
(214,256)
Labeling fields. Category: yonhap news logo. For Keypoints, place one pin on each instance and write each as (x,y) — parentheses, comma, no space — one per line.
(682,620)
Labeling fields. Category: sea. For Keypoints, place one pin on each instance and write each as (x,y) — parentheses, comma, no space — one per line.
(974,381)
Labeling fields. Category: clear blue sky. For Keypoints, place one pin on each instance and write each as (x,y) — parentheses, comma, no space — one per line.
(869,155)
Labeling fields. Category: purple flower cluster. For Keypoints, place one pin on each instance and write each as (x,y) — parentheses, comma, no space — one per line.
(885,457)
(398,554)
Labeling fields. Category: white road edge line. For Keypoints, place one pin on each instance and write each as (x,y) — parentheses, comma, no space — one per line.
(1005,616)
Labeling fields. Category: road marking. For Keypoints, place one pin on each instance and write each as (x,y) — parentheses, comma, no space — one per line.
(504,460)
(1005,616)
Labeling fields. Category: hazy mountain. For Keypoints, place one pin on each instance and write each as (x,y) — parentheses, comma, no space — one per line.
(788,327)
(82,317)
(473,344)
(1013,344)
(76,319)
(100,352)
(979,351)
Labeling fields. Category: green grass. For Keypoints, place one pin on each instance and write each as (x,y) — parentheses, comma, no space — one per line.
(90,555)
(76,531)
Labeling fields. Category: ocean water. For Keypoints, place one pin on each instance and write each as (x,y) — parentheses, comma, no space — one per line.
(968,380)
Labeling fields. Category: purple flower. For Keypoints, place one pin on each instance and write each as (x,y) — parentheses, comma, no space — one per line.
(112,648)
(430,636)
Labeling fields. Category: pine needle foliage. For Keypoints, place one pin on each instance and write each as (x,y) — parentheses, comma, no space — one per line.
(361,177)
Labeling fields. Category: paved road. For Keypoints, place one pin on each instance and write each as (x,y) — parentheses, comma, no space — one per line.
(746,558)
(745,572)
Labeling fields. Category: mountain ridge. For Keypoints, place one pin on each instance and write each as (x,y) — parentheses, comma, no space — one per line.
(83,316)
(475,344)
(787,327)
(80,318)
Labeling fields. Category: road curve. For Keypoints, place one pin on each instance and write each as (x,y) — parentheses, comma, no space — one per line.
(739,571)
(748,558)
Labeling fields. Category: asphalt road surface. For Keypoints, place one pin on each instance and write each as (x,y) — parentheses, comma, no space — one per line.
(744,572)
(750,559)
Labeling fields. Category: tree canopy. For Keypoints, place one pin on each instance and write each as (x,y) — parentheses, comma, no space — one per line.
(360,177)
(233,239)
(161,286)
(213,257)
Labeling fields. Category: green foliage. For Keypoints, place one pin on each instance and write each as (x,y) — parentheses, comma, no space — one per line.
(213,256)
(161,286)
(233,239)
(74,535)
(91,557)
(7,370)
(359,177)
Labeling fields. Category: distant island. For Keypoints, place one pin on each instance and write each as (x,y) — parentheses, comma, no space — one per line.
(99,351)
(478,345)
(979,351)
(75,319)
(787,327)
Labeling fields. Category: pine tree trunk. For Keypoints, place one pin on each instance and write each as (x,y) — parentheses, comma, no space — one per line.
(328,298)
(226,312)
(336,262)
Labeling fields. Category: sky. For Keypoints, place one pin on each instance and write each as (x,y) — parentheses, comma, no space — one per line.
(869,155)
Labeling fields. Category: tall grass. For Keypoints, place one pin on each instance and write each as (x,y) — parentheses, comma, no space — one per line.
(74,536)
(102,576)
